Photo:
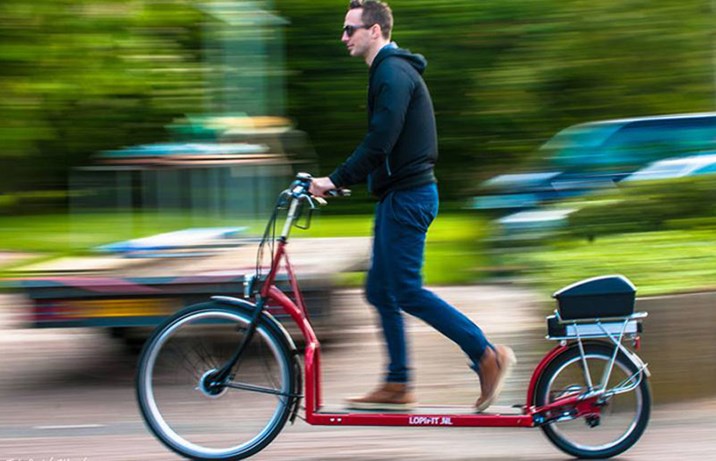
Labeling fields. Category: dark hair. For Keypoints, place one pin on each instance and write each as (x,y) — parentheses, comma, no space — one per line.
(375,12)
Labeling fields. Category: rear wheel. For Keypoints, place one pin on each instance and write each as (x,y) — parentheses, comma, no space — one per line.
(623,416)
(194,416)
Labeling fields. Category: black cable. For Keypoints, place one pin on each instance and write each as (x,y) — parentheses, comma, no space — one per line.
(269,237)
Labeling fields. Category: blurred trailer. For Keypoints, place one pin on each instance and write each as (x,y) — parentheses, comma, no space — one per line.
(129,294)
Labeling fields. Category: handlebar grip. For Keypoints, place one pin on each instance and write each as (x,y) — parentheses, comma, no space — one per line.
(338,193)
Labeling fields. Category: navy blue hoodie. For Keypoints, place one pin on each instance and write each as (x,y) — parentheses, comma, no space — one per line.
(400,149)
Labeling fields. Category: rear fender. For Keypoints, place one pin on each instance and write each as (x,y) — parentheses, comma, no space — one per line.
(561,349)
(539,371)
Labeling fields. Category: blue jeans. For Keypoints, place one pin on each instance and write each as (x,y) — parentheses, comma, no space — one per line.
(395,281)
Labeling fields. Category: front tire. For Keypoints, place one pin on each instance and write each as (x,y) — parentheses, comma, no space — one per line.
(215,423)
(623,418)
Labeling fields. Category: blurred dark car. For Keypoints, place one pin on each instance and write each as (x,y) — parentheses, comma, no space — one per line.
(596,155)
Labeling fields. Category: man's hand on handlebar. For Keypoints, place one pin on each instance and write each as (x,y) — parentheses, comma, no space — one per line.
(320,186)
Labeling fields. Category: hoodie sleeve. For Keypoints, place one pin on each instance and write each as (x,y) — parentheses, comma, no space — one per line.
(393,89)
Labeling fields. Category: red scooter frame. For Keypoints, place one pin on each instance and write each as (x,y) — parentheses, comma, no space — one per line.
(312,361)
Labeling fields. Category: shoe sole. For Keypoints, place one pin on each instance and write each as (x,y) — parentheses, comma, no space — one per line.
(509,361)
(380,406)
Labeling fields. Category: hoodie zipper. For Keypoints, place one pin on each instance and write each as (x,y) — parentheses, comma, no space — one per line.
(387,165)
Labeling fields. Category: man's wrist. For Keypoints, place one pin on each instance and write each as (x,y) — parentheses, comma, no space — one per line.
(336,179)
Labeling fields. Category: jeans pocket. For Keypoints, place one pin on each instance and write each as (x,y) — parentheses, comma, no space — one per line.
(414,208)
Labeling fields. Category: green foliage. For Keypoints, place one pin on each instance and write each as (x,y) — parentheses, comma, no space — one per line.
(647,206)
(505,76)
(63,233)
(657,262)
(82,76)
(454,249)
(22,203)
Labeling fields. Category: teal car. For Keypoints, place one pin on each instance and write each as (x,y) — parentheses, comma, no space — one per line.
(596,155)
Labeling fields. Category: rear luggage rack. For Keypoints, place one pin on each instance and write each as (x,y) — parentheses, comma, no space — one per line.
(558,328)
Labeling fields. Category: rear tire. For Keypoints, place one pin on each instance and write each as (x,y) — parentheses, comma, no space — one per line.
(624,417)
(205,422)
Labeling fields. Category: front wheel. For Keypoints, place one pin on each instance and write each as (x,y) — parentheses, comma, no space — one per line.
(193,415)
(623,416)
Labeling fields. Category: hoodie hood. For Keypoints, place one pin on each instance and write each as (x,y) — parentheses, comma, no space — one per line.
(418,61)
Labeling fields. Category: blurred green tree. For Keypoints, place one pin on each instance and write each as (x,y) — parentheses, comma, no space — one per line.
(80,76)
(505,76)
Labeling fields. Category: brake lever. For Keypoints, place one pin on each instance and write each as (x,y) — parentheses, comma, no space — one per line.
(313,201)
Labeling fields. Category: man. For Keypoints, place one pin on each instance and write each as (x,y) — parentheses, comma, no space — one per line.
(397,157)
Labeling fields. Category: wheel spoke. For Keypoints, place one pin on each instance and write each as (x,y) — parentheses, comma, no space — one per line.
(259,389)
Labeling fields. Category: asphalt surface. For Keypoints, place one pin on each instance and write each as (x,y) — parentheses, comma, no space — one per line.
(68,394)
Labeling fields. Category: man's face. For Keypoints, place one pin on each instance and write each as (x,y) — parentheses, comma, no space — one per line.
(359,43)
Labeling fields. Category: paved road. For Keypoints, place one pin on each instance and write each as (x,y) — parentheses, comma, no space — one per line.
(68,395)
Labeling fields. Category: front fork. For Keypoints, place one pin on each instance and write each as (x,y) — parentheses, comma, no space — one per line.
(216,380)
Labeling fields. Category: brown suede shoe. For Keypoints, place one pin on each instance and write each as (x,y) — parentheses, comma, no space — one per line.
(389,396)
(495,366)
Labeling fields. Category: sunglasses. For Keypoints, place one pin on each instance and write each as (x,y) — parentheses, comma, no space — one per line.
(350,30)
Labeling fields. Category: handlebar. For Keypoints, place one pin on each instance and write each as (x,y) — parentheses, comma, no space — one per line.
(298,194)
(299,189)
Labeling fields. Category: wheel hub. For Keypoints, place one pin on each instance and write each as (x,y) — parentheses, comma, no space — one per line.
(209,388)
